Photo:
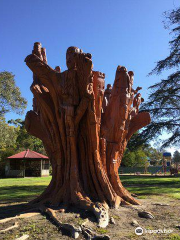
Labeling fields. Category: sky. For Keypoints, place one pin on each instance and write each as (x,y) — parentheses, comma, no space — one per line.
(116,32)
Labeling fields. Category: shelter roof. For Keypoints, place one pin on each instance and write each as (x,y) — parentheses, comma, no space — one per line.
(28,154)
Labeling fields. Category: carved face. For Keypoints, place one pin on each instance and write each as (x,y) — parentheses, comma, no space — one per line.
(131,75)
(58,69)
(109,87)
(100,88)
(70,57)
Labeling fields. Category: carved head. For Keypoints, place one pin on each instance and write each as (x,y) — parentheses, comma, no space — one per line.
(37,47)
(109,86)
(57,69)
(131,75)
(70,57)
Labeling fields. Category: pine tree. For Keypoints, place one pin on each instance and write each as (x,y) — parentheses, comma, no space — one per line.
(164,100)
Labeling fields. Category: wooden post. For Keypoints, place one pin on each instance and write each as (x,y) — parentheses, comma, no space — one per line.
(41,167)
(24,169)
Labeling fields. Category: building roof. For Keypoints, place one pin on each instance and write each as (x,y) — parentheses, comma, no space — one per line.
(27,154)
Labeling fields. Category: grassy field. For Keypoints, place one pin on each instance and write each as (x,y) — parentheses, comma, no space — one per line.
(25,189)
(144,186)
(22,189)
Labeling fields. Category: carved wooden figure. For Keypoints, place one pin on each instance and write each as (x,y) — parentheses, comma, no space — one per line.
(84,140)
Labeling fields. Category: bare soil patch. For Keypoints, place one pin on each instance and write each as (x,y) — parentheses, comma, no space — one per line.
(166,216)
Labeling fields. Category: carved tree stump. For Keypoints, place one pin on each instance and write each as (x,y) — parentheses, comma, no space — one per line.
(84,132)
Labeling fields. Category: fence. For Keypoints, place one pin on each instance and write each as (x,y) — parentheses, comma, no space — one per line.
(151,170)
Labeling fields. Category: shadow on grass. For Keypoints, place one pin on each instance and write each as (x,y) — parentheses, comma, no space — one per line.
(19,193)
(12,210)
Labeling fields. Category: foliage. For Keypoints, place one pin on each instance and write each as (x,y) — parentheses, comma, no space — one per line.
(13,135)
(176,157)
(136,158)
(8,135)
(3,156)
(153,154)
(14,139)
(10,95)
(164,99)
(26,141)
(138,153)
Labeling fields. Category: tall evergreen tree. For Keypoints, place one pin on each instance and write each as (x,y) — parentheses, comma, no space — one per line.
(164,99)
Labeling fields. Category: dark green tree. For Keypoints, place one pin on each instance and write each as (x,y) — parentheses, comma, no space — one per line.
(8,135)
(24,140)
(164,99)
(136,158)
(139,152)
(10,101)
(10,95)
(176,158)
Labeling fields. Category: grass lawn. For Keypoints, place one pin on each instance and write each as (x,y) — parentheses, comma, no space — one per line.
(144,186)
(22,189)
(25,189)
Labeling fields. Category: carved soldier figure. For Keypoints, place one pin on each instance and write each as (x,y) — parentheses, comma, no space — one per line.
(69,89)
(108,91)
(131,90)
(38,50)
(107,96)
(137,102)
(41,53)
(98,87)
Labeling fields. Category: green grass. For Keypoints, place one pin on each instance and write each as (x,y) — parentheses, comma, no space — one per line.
(25,189)
(174,237)
(22,189)
(144,186)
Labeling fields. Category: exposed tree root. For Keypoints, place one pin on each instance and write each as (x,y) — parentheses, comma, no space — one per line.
(24,237)
(23,215)
(69,228)
(16,225)
(99,210)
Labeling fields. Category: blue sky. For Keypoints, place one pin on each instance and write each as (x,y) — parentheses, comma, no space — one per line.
(115,32)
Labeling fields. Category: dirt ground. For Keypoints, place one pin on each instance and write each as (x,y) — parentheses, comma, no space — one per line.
(166,217)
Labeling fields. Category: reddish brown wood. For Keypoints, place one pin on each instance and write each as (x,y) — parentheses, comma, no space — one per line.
(84,131)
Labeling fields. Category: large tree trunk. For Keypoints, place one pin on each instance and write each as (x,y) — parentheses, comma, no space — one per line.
(85,147)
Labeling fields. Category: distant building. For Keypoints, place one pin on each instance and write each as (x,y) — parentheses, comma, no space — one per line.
(167,158)
(27,164)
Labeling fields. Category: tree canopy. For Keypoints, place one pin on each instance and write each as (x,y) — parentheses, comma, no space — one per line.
(14,138)
(137,153)
(176,157)
(164,100)
(10,95)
